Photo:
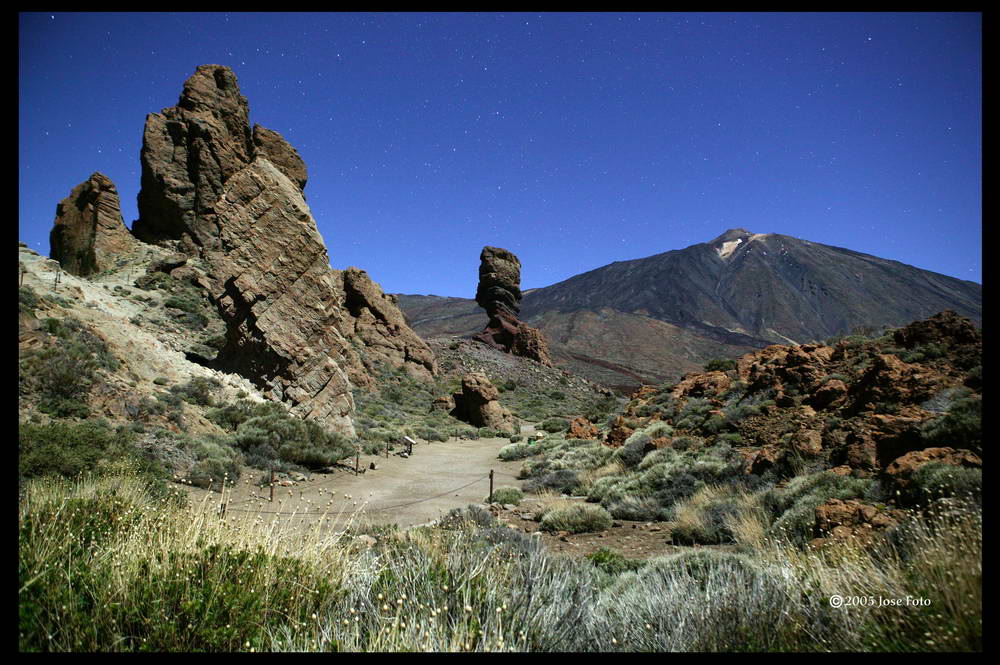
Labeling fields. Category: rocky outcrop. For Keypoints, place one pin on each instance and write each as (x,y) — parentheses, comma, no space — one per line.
(838,520)
(375,320)
(477,404)
(297,328)
(499,293)
(304,333)
(905,466)
(273,146)
(581,428)
(89,235)
(189,152)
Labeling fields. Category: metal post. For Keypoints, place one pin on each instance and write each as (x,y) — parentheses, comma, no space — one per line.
(490,500)
(272,484)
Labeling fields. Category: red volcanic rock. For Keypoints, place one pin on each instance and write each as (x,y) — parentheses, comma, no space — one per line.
(702,384)
(946,328)
(905,466)
(618,433)
(581,428)
(89,234)
(841,520)
(831,393)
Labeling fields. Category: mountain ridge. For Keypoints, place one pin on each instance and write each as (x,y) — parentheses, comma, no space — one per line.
(738,291)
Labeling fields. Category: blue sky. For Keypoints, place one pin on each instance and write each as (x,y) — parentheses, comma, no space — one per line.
(574,140)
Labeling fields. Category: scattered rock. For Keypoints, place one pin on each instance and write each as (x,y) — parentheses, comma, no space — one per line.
(446,403)
(373,466)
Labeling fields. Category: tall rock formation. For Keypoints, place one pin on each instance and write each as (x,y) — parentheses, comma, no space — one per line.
(499,293)
(303,332)
(89,234)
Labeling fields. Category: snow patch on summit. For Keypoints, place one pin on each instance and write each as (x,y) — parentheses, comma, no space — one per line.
(728,248)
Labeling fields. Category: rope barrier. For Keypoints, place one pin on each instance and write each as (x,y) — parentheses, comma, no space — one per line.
(377,510)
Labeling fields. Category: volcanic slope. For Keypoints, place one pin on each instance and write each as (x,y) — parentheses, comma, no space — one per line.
(653,319)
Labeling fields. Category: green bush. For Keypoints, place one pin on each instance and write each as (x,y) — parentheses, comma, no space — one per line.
(612,562)
(555,424)
(514,438)
(284,437)
(936,480)
(507,494)
(794,506)
(515,451)
(67,449)
(561,480)
(961,427)
(577,518)
(720,365)
(198,390)
(27,299)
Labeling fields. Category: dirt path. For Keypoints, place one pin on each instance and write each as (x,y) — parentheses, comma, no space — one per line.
(403,491)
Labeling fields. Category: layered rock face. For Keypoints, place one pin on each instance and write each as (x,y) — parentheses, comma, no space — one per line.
(89,234)
(499,293)
(189,153)
(303,332)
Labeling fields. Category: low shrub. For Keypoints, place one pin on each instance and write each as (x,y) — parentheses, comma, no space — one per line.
(507,494)
(937,480)
(198,390)
(961,427)
(577,518)
(562,480)
(554,424)
(720,365)
(515,451)
(612,562)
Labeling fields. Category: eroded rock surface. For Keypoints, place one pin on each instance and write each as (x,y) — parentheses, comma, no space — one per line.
(499,293)
(477,404)
(89,235)
(304,333)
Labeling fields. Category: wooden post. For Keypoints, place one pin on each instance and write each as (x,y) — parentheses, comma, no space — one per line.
(490,500)
(222,506)
(387,450)
(357,460)
(272,484)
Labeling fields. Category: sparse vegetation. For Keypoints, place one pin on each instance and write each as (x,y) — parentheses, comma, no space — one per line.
(106,566)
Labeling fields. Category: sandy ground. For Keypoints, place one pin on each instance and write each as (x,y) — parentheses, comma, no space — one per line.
(402,491)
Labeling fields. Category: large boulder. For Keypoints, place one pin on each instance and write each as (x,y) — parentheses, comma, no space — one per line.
(499,293)
(89,235)
(477,404)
